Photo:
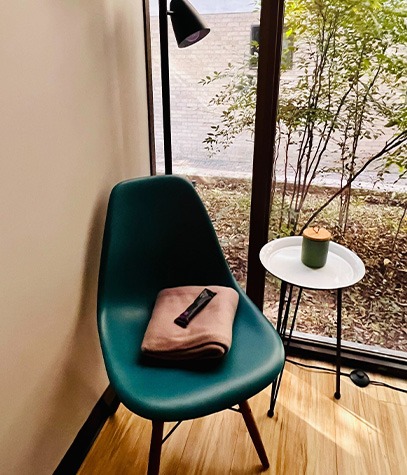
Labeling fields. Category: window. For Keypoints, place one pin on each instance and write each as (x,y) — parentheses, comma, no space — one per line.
(287,48)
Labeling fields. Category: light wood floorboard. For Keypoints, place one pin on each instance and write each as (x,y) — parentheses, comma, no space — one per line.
(365,432)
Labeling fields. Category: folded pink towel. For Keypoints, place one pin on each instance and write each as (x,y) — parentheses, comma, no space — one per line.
(209,333)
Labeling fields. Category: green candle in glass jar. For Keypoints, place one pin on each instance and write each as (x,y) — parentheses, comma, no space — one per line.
(315,246)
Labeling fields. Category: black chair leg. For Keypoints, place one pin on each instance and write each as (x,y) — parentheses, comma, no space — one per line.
(254,433)
(155,448)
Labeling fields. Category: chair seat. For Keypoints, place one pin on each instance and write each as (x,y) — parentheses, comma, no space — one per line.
(170,392)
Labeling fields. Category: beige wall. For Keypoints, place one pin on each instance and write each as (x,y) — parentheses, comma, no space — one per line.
(73,121)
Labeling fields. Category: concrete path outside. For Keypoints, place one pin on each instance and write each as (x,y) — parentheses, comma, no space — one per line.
(216,167)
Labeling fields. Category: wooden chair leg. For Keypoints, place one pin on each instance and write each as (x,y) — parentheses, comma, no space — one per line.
(111,401)
(155,448)
(254,433)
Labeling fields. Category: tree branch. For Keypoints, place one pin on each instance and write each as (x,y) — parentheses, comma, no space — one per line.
(392,144)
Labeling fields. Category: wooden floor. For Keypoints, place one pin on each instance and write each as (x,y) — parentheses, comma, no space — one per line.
(365,432)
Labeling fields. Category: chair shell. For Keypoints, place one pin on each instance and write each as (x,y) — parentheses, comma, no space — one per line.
(159,235)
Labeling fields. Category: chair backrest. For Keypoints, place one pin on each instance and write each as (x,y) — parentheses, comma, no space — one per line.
(157,235)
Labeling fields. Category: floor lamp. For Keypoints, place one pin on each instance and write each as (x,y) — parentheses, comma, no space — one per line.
(189,28)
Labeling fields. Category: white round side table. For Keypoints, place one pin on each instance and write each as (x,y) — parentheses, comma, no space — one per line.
(282,258)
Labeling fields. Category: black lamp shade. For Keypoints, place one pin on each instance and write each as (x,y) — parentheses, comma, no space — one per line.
(188,27)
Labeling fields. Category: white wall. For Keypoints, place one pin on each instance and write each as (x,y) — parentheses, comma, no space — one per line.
(73,121)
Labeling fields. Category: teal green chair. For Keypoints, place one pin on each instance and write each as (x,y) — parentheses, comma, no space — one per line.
(158,235)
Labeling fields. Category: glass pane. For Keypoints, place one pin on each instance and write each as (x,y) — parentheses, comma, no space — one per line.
(342,122)
(203,148)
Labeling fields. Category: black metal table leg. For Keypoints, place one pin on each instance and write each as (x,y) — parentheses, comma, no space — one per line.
(276,383)
(338,343)
(281,327)
(282,322)
(283,290)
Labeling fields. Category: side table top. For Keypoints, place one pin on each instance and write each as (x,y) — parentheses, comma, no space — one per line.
(282,258)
